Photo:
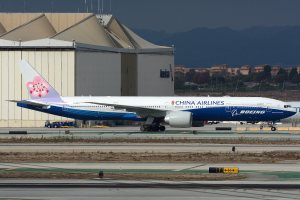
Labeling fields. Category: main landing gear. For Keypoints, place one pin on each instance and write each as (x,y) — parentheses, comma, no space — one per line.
(152,124)
(271,125)
(152,127)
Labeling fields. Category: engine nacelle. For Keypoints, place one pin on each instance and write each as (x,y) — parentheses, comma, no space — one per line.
(179,119)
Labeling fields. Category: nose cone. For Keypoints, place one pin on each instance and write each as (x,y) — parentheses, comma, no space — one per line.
(290,112)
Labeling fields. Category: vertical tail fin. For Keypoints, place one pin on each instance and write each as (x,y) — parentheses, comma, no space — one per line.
(38,87)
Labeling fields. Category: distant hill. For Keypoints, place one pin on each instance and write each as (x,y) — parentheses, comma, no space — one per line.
(206,47)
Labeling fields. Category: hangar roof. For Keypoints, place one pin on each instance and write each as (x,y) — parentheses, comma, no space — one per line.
(21,30)
(37,28)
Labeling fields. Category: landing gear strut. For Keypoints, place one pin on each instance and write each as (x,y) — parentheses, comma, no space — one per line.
(152,127)
(272,125)
(152,124)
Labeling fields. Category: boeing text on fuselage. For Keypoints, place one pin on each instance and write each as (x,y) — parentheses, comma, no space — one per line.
(235,112)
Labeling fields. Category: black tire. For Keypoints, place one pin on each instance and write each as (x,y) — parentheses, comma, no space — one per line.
(273,128)
(155,128)
(162,128)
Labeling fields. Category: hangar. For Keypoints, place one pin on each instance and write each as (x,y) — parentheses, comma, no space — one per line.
(79,54)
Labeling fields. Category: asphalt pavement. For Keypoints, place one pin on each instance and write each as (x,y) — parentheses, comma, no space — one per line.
(148,190)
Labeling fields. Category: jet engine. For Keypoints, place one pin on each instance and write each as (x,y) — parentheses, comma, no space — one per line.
(179,119)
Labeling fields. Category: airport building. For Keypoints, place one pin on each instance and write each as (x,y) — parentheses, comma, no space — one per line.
(79,54)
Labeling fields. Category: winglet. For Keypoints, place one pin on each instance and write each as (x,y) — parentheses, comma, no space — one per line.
(37,86)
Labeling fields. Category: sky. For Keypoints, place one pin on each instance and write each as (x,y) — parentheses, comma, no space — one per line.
(174,15)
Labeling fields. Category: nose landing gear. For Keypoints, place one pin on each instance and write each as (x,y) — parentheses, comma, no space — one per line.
(271,125)
(273,128)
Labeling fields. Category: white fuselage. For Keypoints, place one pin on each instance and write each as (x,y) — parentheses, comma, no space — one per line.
(202,108)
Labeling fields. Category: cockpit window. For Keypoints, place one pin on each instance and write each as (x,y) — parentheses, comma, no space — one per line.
(287,106)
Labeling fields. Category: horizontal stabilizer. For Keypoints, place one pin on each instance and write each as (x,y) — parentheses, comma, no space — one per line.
(37,104)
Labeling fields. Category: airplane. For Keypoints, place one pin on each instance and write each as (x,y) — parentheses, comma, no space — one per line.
(176,111)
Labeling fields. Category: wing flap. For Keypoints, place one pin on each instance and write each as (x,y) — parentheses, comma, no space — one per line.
(141,111)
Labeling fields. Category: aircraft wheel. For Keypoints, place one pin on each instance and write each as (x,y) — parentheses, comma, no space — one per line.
(162,128)
(155,128)
(273,128)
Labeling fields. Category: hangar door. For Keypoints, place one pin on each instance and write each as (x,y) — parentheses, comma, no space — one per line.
(129,74)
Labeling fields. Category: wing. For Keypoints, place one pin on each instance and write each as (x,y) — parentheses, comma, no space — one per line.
(141,111)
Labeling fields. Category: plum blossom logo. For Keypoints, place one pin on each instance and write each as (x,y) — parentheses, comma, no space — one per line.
(173,102)
(38,87)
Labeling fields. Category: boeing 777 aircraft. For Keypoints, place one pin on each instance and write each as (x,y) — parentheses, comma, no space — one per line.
(154,111)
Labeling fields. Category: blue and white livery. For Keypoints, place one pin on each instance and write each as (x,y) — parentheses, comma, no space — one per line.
(175,111)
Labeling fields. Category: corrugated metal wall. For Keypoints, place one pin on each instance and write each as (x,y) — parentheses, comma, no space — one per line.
(57,66)
(149,81)
(98,73)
